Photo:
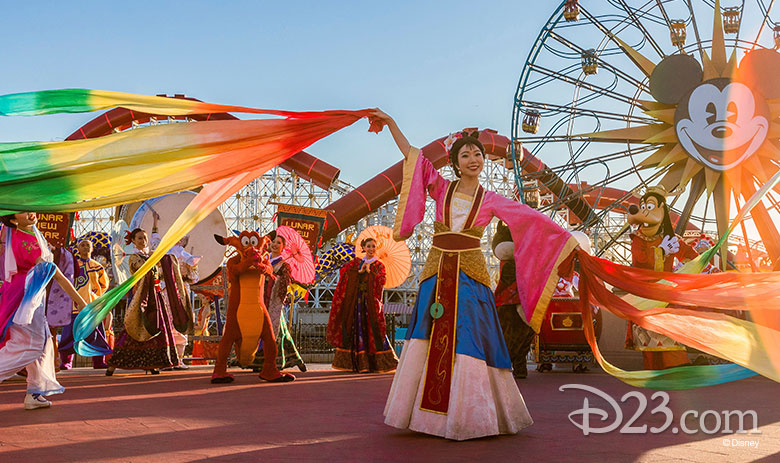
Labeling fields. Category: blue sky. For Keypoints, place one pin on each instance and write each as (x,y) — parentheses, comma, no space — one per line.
(435,66)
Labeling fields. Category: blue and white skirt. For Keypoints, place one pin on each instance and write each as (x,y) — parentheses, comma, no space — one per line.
(484,397)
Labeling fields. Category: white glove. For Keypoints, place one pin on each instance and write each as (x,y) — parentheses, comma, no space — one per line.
(505,250)
(670,245)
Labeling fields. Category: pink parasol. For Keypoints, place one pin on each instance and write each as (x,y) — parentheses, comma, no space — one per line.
(393,254)
(297,254)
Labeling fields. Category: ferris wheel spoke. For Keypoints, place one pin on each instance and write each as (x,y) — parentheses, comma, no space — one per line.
(586,85)
(696,191)
(563,192)
(695,29)
(601,159)
(620,73)
(773,201)
(547,78)
(764,224)
(641,62)
(632,14)
(669,25)
(553,139)
(613,240)
(580,138)
(763,22)
(579,111)
(600,184)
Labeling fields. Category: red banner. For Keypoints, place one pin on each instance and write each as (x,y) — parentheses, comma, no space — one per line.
(55,227)
(441,350)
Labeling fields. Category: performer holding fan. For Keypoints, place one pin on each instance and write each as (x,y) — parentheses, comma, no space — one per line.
(356,326)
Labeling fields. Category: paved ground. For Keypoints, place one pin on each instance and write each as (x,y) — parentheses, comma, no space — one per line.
(335,416)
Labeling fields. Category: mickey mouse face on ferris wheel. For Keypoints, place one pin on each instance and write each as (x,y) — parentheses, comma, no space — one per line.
(719,122)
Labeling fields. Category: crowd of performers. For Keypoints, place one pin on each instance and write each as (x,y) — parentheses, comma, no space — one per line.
(466,344)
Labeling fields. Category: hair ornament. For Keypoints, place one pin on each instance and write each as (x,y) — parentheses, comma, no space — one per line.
(449,141)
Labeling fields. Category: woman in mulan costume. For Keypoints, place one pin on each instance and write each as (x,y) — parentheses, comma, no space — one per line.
(454,378)
(147,341)
(25,339)
(356,326)
(276,301)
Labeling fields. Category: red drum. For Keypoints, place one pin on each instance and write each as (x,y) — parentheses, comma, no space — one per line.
(561,338)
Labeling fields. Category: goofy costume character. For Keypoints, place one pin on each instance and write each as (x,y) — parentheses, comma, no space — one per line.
(655,246)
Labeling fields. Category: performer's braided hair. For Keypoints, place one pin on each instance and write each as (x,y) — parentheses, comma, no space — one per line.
(6,220)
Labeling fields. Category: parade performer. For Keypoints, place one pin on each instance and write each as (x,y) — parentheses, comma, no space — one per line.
(276,301)
(454,378)
(190,276)
(517,334)
(188,268)
(59,306)
(147,340)
(225,156)
(201,329)
(655,246)
(91,282)
(25,338)
(247,320)
(356,326)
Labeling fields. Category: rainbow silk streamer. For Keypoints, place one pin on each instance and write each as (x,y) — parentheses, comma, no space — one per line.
(751,345)
(696,265)
(151,161)
(221,156)
(81,100)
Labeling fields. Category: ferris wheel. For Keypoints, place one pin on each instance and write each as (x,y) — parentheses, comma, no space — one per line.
(615,97)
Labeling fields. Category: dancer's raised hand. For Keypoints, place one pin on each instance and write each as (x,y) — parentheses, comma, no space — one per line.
(398,136)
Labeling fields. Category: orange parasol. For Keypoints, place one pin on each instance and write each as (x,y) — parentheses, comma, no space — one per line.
(393,254)
(297,254)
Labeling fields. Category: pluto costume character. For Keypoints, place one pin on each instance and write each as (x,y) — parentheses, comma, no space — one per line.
(517,334)
(655,246)
(247,319)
